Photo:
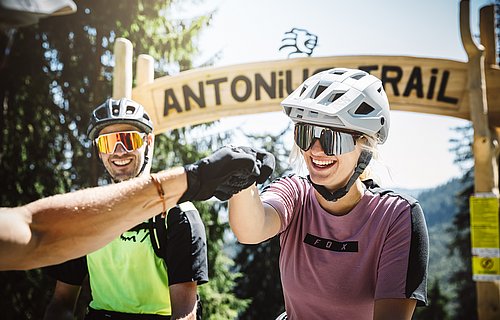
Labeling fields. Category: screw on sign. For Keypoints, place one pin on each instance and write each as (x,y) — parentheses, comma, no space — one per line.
(487,263)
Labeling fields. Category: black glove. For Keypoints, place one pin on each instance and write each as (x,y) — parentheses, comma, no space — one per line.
(226,172)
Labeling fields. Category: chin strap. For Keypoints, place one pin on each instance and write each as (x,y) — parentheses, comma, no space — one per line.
(363,161)
(146,159)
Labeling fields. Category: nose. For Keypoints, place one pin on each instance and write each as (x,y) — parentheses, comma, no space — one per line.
(119,149)
(316,147)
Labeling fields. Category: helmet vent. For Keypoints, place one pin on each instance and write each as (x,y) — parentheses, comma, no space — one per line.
(304,88)
(339,72)
(319,90)
(358,76)
(100,114)
(379,90)
(335,96)
(130,110)
(364,108)
(116,110)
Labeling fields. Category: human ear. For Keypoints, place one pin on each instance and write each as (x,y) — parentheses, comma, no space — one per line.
(150,139)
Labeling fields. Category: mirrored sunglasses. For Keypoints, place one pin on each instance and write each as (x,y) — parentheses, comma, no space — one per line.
(130,141)
(333,142)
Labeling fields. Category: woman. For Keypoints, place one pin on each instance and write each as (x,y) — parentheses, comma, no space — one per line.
(349,250)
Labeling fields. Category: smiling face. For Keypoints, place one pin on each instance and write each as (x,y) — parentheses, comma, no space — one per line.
(122,164)
(333,172)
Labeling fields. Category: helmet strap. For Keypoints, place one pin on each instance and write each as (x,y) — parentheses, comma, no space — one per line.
(146,159)
(363,161)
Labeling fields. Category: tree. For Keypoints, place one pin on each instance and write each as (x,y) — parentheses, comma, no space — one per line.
(53,75)
(460,230)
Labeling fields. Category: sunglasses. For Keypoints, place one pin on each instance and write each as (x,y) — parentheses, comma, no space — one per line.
(332,142)
(130,141)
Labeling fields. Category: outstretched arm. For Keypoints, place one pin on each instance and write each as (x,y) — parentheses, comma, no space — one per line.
(66,226)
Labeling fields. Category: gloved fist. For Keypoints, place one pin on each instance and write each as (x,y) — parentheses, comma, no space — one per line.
(226,172)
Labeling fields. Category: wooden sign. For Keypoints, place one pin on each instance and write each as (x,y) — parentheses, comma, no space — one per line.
(196,96)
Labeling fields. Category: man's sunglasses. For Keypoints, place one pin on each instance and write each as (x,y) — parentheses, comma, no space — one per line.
(333,142)
(130,141)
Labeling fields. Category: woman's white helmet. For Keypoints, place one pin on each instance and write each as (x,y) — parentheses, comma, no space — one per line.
(345,99)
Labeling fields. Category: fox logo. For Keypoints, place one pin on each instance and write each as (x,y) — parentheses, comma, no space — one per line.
(133,235)
(300,40)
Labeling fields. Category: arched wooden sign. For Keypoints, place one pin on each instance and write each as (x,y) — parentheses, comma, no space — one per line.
(412,84)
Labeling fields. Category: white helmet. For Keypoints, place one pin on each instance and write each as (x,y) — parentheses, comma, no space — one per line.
(345,99)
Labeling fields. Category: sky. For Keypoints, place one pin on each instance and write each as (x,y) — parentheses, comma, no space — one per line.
(416,154)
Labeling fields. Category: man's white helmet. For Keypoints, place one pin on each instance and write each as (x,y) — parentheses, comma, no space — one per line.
(345,99)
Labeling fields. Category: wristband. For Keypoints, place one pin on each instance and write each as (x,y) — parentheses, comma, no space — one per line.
(161,193)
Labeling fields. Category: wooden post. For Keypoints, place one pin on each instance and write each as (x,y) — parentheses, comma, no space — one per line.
(485,163)
(145,71)
(122,72)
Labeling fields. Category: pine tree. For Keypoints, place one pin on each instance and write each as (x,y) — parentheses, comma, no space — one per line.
(460,231)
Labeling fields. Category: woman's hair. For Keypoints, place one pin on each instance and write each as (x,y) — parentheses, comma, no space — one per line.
(369,143)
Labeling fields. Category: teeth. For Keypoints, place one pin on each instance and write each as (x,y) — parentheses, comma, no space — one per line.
(323,163)
(122,162)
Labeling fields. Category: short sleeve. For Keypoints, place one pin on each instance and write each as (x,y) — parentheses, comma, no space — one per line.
(402,271)
(186,248)
(71,272)
(284,196)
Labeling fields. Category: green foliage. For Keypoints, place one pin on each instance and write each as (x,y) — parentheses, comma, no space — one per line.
(53,75)
(218,302)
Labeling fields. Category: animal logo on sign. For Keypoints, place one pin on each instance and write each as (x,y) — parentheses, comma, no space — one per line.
(301,41)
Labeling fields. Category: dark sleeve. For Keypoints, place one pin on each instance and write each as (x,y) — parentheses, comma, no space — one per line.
(186,249)
(416,281)
(71,272)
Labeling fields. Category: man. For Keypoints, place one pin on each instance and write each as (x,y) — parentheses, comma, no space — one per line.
(129,276)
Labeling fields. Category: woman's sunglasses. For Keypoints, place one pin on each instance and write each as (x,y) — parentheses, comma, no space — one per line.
(332,142)
(130,140)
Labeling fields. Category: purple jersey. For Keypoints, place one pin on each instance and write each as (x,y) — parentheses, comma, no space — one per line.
(335,267)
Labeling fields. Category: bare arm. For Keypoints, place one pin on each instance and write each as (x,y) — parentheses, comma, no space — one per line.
(62,304)
(251,220)
(394,309)
(183,300)
(66,226)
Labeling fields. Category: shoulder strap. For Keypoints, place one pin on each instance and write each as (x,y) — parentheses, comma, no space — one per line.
(157,226)
(158,234)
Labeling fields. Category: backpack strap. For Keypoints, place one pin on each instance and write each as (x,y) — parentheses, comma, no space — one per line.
(158,233)
(157,226)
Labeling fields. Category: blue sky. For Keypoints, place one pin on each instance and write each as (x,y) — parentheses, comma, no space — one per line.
(416,153)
